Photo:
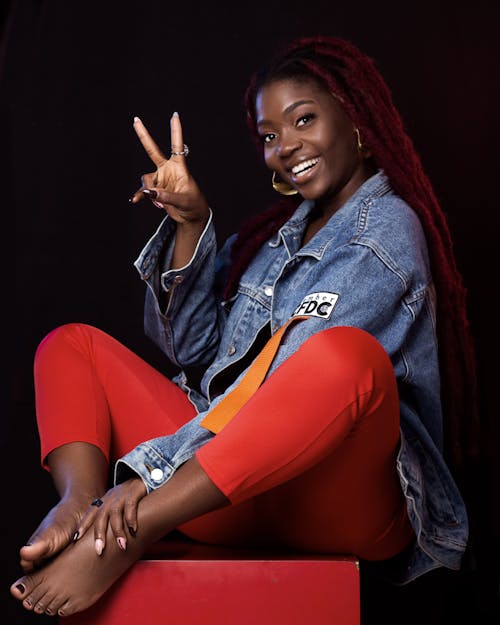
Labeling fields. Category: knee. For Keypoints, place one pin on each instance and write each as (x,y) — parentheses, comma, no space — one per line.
(62,334)
(350,350)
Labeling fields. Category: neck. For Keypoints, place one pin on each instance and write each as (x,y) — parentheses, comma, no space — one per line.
(325,207)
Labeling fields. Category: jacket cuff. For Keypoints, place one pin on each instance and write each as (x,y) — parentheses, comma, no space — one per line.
(145,462)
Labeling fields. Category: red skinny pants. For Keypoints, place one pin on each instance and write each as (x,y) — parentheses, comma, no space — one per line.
(308,463)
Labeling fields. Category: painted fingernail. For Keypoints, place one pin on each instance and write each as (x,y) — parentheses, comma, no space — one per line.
(132,531)
(21,588)
(76,535)
(150,194)
(99,546)
(122,543)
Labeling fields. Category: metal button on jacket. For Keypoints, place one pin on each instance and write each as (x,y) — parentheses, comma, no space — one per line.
(156,475)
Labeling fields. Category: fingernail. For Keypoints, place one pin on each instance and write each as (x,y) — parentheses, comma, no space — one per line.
(136,119)
(122,543)
(132,531)
(150,194)
(75,536)
(21,588)
(175,114)
(99,546)
(28,544)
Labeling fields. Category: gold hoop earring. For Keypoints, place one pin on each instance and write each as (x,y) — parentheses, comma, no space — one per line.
(282,187)
(361,147)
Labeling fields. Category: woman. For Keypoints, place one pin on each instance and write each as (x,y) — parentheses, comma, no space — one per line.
(350,411)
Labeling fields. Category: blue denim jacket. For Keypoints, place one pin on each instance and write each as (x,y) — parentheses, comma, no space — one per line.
(367,267)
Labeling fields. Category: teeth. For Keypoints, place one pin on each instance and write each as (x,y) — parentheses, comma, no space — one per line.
(301,167)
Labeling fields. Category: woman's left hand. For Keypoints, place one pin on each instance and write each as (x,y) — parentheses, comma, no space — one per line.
(118,509)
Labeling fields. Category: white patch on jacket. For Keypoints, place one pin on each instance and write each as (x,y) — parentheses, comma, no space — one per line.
(317,305)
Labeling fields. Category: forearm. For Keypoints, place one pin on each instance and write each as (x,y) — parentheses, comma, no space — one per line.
(186,240)
(188,494)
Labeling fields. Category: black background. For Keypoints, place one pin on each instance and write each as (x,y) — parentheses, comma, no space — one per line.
(73,76)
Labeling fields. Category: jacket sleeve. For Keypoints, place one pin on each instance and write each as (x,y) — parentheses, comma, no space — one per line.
(182,312)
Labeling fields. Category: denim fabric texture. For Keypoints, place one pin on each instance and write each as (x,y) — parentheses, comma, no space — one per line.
(369,268)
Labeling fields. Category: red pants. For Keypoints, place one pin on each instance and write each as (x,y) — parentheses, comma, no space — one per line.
(308,463)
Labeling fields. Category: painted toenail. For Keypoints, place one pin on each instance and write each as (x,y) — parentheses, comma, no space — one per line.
(21,588)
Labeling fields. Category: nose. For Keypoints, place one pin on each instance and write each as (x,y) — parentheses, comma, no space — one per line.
(289,142)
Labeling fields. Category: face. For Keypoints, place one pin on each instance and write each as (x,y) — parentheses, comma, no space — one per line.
(310,142)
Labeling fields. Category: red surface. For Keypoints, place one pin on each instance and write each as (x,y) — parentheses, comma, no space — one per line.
(197,585)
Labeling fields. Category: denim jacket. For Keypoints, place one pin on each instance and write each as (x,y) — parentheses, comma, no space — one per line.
(367,267)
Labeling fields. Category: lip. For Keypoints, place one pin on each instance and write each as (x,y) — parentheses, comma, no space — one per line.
(302,178)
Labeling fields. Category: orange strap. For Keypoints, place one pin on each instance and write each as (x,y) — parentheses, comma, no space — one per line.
(249,383)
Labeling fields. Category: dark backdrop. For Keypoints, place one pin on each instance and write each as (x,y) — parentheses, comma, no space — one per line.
(73,76)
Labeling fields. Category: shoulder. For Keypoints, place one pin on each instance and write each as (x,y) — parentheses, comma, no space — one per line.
(392,228)
(389,212)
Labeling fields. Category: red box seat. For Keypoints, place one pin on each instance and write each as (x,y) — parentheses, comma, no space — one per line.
(190,584)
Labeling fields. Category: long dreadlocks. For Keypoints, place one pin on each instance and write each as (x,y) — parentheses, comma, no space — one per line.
(341,68)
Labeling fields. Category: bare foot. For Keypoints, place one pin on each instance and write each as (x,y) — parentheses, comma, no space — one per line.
(54,533)
(77,578)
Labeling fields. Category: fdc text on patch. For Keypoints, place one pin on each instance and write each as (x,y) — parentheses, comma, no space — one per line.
(317,305)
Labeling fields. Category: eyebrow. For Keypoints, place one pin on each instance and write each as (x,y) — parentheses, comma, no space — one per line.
(288,110)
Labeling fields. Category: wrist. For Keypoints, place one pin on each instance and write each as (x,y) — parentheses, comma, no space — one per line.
(194,224)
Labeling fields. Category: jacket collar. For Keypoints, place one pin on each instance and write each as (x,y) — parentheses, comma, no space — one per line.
(291,232)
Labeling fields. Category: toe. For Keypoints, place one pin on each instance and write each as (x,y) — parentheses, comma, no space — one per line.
(27,590)
(34,599)
(40,606)
(18,589)
(34,551)
(28,566)
(66,609)
(48,604)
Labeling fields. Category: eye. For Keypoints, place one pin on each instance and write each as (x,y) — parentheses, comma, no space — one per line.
(304,119)
(267,137)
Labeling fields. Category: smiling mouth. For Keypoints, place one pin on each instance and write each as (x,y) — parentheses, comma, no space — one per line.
(302,169)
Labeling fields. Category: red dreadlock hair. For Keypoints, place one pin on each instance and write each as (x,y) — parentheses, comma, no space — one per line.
(338,66)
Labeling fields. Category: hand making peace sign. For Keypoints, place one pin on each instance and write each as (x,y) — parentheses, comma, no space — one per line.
(171,186)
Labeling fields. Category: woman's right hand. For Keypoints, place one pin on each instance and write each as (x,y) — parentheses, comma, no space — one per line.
(171,186)
(118,509)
